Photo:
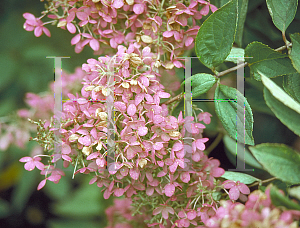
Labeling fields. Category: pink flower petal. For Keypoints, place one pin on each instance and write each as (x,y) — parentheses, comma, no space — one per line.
(138,98)
(168,34)
(134,174)
(38,31)
(177,146)
(39,165)
(65,149)
(120,106)
(243,188)
(165,214)
(142,131)
(71,28)
(163,94)
(119,192)
(169,190)
(185,177)
(94,44)
(29,16)
(131,110)
(234,193)
(47,32)
(158,145)
(191,215)
(213,8)
(189,41)
(54,177)
(205,10)
(82,101)
(138,8)
(228,184)
(29,166)
(157,211)
(26,159)
(118,4)
(41,184)
(86,140)
(81,16)
(149,191)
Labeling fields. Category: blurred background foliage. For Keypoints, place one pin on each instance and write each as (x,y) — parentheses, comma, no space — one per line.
(25,68)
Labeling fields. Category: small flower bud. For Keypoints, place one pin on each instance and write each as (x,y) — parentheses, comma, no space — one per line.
(86,150)
(169,66)
(61,23)
(147,39)
(130,2)
(99,147)
(133,82)
(105,91)
(146,26)
(157,64)
(174,134)
(138,38)
(98,88)
(142,163)
(89,88)
(101,115)
(125,85)
(73,137)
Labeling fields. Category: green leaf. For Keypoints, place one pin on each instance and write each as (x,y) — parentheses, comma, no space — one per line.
(280,200)
(242,177)
(295,192)
(282,12)
(59,190)
(24,189)
(267,61)
(295,53)
(4,208)
(243,6)
(279,160)
(72,223)
(233,147)
(227,113)
(84,203)
(201,83)
(285,108)
(216,35)
(235,53)
(255,96)
(291,84)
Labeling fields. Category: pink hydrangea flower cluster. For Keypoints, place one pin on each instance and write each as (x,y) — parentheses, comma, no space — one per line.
(258,211)
(40,106)
(119,215)
(151,156)
(167,27)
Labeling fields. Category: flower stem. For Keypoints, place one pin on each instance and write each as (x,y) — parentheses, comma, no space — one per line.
(262,182)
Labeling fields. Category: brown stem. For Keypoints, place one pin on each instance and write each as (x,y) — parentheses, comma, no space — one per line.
(246,64)
(231,69)
(176,98)
(180,96)
(262,182)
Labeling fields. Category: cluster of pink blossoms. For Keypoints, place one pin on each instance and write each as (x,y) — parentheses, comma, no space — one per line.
(258,211)
(151,156)
(16,130)
(167,27)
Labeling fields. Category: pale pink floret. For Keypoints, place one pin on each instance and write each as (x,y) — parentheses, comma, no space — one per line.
(235,188)
(31,163)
